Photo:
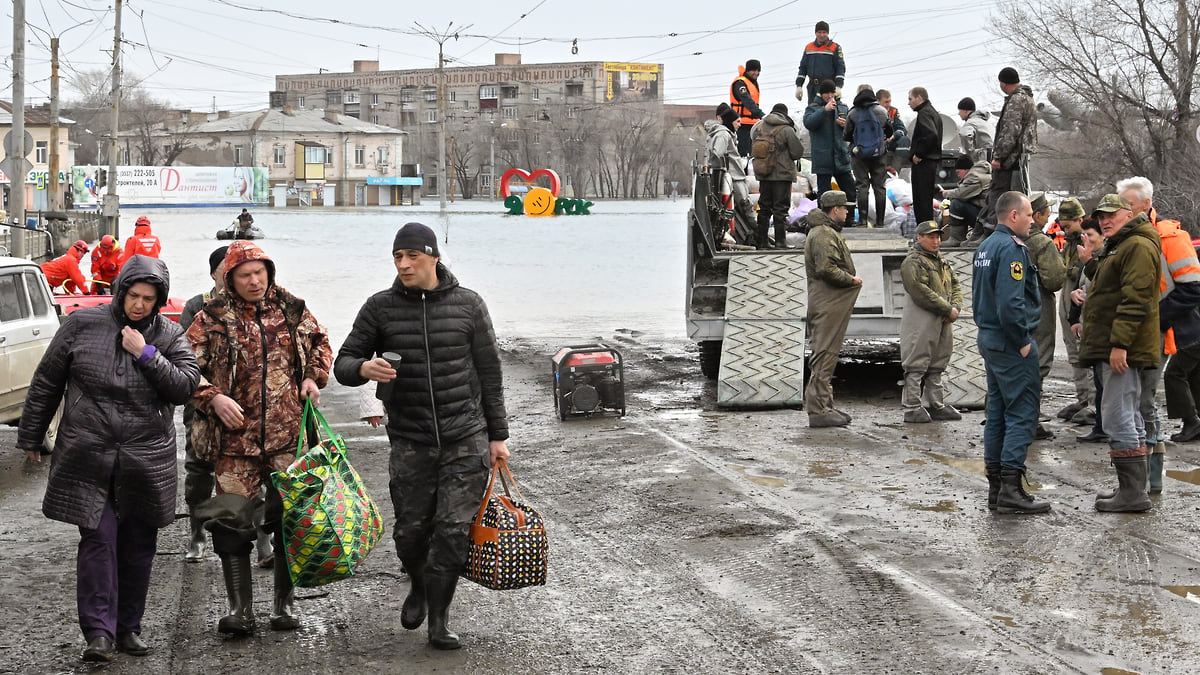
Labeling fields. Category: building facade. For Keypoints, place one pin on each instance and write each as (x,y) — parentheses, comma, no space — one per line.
(37,181)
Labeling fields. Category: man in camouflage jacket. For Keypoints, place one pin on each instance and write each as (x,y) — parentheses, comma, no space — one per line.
(1016,139)
(933,301)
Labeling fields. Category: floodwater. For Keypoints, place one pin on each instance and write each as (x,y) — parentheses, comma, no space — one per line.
(565,277)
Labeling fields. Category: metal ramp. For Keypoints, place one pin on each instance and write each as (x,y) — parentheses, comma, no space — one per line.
(762,353)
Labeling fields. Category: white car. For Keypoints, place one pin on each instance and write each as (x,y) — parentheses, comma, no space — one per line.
(28,320)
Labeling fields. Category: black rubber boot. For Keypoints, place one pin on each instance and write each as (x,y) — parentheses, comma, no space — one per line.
(1013,498)
(993,476)
(439,592)
(240,619)
(198,541)
(283,605)
(1131,494)
(412,614)
(1155,475)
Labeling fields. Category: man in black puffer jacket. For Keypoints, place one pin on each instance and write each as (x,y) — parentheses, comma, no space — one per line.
(446,418)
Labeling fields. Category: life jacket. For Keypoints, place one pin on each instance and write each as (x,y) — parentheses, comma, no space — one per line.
(141,243)
(1179,263)
(752,87)
(1056,233)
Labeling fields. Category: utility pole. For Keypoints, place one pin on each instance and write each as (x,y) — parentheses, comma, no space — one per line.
(440,39)
(16,158)
(56,201)
(112,203)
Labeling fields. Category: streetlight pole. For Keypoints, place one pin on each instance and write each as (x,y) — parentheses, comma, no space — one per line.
(112,202)
(16,174)
(440,39)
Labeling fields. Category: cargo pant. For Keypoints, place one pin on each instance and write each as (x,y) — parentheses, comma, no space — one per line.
(829,309)
(1044,337)
(1085,388)
(198,473)
(1014,389)
(436,493)
(926,343)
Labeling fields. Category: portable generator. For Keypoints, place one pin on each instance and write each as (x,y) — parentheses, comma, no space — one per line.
(588,379)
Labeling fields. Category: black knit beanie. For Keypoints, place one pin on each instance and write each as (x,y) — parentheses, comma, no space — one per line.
(216,258)
(967,103)
(416,237)
(1009,76)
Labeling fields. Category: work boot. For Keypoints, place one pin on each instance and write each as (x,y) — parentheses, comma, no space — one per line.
(99,650)
(240,619)
(1068,411)
(946,413)
(131,643)
(1130,496)
(1155,471)
(1013,498)
(1084,418)
(412,613)
(825,419)
(197,542)
(283,605)
(1189,432)
(266,549)
(917,416)
(993,476)
(978,233)
(439,592)
(1042,433)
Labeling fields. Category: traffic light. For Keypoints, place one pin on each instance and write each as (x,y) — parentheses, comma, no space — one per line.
(102,178)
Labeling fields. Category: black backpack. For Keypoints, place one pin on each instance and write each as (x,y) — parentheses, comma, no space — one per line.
(868,139)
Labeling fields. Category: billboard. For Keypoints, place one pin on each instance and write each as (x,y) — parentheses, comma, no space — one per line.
(631,82)
(173,185)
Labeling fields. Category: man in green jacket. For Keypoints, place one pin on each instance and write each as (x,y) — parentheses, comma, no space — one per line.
(1121,336)
(926,337)
(833,287)
(1051,273)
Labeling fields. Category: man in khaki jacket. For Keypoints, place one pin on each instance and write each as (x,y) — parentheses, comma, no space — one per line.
(932,303)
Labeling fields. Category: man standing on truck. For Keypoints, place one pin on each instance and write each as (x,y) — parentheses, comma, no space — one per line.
(1006,305)
(743,98)
(1016,139)
(822,60)
(926,336)
(833,287)
(1051,274)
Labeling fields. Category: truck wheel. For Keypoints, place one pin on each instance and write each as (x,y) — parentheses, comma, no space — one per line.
(710,358)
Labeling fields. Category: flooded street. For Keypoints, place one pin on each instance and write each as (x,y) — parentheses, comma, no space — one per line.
(683,537)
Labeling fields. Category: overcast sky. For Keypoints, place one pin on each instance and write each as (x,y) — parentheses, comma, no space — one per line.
(199,53)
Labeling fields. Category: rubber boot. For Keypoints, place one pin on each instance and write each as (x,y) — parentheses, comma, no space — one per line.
(240,619)
(1131,494)
(1155,471)
(993,476)
(439,592)
(266,549)
(412,614)
(1013,498)
(283,605)
(781,235)
(198,541)
(955,235)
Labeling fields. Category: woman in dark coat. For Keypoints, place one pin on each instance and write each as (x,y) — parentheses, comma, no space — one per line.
(121,369)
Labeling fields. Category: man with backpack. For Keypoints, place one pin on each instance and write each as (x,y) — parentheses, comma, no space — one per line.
(775,147)
(867,130)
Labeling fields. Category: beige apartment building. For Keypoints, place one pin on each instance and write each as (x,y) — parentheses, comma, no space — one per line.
(37,180)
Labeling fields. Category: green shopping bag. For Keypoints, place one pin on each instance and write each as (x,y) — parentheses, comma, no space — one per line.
(330,524)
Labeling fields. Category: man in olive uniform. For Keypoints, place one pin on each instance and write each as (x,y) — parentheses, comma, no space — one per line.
(1006,305)
(926,337)
(1070,216)
(833,287)
(1051,273)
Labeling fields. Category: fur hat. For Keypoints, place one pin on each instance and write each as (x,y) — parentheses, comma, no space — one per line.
(416,237)
(964,163)
(1009,75)
(967,103)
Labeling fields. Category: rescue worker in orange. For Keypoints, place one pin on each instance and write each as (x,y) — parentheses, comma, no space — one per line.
(64,270)
(143,242)
(743,98)
(106,265)
(822,60)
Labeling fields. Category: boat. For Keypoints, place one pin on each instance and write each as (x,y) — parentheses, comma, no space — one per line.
(69,303)
(231,232)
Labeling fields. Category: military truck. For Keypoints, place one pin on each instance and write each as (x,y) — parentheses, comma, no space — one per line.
(746,310)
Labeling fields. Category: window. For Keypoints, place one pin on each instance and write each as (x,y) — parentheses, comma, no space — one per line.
(300,101)
(453,96)
(374,119)
(314,154)
(39,295)
(487,92)
(430,115)
(535,138)
(383,155)
(537,94)
(431,94)
(573,111)
(350,98)
(406,95)
(360,155)
(328,156)
(238,151)
(279,155)
(43,150)
(575,89)
(509,92)
(374,99)
(333,97)
(166,150)
(509,113)
(407,118)
(14,306)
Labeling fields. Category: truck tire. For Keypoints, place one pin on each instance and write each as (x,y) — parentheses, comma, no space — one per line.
(710,358)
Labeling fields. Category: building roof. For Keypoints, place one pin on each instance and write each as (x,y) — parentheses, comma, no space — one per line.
(34,117)
(289,121)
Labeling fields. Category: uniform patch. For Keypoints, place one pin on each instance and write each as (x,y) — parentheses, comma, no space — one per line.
(1017,270)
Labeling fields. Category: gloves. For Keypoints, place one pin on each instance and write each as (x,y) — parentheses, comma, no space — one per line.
(800,93)
(837,93)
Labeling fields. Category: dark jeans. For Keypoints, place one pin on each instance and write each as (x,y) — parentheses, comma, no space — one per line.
(743,139)
(869,176)
(436,493)
(774,200)
(1181,380)
(924,175)
(845,184)
(112,574)
(963,213)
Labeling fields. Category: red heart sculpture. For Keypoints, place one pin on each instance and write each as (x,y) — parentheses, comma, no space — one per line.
(527,177)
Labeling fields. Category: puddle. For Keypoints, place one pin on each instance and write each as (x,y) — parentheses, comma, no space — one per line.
(1007,621)
(823,469)
(1192,476)
(893,488)
(914,461)
(971,465)
(943,506)
(1117,671)
(764,481)
(1186,592)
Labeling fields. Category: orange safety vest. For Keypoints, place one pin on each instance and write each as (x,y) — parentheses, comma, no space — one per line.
(752,87)
(1055,231)
(1179,263)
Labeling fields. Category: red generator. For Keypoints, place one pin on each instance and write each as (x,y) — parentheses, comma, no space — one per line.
(588,379)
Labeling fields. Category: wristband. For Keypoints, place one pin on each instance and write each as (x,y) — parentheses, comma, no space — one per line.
(148,353)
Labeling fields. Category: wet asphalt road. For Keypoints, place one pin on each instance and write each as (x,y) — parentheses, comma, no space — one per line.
(690,539)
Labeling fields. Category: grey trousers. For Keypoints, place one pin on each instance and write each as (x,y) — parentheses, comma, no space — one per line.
(829,310)
(926,343)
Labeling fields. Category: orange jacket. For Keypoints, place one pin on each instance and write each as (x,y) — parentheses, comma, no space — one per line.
(64,271)
(1055,231)
(142,242)
(1179,259)
(748,114)
(106,265)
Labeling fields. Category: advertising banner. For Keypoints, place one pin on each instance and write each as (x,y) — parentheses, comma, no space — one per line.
(631,81)
(173,185)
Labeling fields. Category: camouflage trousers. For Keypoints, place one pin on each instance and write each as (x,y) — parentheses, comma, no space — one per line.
(436,493)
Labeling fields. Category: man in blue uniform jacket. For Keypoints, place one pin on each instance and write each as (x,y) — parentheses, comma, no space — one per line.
(1007,305)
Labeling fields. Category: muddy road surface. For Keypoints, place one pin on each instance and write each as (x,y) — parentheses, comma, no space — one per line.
(686,538)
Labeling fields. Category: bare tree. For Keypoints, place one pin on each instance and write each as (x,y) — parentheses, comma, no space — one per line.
(141,114)
(1124,75)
